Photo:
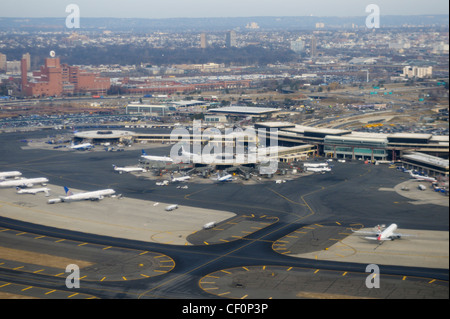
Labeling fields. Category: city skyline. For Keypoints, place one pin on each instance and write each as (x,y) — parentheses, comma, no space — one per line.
(208,9)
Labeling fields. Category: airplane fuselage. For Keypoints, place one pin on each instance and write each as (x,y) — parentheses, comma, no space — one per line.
(25,182)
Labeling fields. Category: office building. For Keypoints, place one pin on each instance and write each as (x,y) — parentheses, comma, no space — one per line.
(298,45)
(56,79)
(231,39)
(203,41)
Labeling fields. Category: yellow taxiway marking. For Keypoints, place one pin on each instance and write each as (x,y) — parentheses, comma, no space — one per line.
(73,295)
(49,292)
(7,284)
(224,293)
(227,272)
(317,270)
(27,288)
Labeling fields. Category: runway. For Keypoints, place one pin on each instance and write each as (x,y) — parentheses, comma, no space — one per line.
(263,212)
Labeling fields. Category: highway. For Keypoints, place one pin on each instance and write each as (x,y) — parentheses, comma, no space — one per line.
(348,196)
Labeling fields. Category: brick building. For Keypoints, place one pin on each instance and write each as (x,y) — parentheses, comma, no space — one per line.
(56,79)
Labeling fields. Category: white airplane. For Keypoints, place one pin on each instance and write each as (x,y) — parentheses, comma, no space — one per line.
(318,169)
(341,161)
(84,146)
(33,191)
(163,183)
(4,175)
(179,179)
(382,235)
(70,197)
(209,225)
(315,164)
(24,182)
(171,207)
(191,157)
(422,178)
(224,178)
(128,169)
(182,187)
(156,158)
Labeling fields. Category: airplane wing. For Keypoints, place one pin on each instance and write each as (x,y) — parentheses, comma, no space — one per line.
(366,232)
(403,235)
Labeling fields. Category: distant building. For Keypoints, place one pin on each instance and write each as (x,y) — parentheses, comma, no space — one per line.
(320,25)
(417,72)
(55,79)
(298,45)
(230,39)
(2,62)
(313,47)
(203,41)
(13,67)
(27,58)
(252,25)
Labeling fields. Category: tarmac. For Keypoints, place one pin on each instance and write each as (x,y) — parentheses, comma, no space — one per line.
(119,217)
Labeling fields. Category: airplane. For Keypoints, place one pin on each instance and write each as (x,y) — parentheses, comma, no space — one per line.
(382,235)
(224,178)
(163,183)
(315,164)
(318,169)
(4,175)
(82,147)
(24,182)
(179,179)
(70,197)
(171,207)
(194,158)
(156,158)
(128,169)
(422,178)
(209,225)
(33,191)
(182,187)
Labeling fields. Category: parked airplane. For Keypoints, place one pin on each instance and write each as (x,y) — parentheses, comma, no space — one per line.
(84,146)
(179,179)
(422,178)
(209,225)
(4,175)
(128,169)
(24,182)
(171,207)
(156,158)
(33,191)
(382,235)
(315,164)
(224,178)
(70,197)
(191,157)
(318,169)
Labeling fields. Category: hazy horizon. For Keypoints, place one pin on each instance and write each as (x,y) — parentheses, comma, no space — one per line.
(218,9)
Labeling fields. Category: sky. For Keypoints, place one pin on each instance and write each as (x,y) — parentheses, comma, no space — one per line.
(217,8)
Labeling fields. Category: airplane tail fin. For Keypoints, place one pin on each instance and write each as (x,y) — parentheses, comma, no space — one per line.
(68,191)
(143,153)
